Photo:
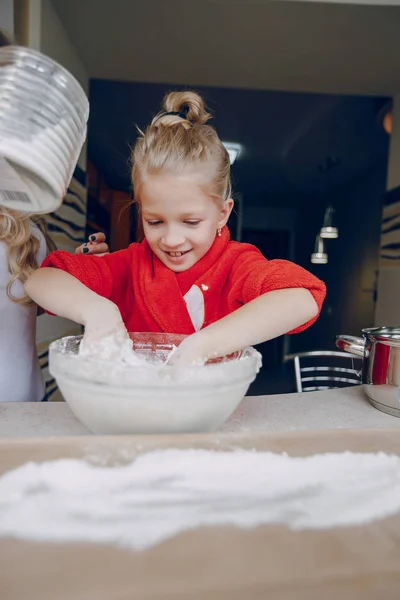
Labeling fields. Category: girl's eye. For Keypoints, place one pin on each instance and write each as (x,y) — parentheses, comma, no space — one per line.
(154,223)
(192,223)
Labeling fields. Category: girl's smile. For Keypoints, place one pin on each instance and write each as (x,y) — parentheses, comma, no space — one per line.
(180,220)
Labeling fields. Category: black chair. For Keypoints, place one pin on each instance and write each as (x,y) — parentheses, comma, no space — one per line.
(325,369)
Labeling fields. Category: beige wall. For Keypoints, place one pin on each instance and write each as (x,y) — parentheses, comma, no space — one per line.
(363,2)
(55,42)
(7,15)
(41,29)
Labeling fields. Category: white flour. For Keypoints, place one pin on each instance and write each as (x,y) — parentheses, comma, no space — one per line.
(108,359)
(115,348)
(166,492)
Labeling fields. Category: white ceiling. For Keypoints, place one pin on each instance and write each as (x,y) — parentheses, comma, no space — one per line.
(364,2)
(256,44)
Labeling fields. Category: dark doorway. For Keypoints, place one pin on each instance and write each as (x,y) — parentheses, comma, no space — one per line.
(272,378)
(272,244)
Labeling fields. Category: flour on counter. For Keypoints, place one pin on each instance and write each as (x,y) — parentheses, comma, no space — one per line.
(164,493)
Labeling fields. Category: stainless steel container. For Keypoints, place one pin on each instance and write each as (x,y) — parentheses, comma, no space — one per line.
(380,374)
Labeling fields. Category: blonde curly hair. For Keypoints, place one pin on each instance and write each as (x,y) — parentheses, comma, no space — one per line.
(22,246)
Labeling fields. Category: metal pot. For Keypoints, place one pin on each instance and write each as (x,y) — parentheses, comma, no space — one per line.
(380,373)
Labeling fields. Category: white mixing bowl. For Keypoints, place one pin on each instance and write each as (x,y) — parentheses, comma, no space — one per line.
(153,398)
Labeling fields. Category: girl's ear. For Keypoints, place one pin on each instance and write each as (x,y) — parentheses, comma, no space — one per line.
(225,212)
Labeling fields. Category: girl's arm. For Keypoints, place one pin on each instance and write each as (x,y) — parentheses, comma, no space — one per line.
(62,294)
(264,318)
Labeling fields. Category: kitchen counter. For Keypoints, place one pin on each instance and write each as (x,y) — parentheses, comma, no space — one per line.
(209,563)
(219,562)
(346,408)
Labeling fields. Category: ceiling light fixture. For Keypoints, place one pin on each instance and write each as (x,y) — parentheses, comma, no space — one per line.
(319,256)
(328,231)
(233,150)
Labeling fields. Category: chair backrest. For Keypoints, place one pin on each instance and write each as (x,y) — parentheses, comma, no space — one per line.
(325,369)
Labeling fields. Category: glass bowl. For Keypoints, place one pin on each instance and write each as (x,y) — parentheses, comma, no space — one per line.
(153,397)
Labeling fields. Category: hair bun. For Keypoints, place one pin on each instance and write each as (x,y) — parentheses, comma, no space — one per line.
(180,107)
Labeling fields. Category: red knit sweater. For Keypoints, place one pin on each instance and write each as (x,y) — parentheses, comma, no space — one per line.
(151,297)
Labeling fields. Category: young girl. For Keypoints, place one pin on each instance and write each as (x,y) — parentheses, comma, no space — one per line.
(24,243)
(22,249)
(186,276)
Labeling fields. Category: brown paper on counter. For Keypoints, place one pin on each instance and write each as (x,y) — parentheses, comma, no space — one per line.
(224,563)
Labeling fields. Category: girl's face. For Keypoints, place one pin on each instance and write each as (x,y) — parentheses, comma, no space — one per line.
(180,220)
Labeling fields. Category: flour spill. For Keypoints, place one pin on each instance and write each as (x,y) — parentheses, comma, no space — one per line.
(164,493)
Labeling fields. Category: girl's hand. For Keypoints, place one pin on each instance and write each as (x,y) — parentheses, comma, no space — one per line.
(101,318)
(260,320)
(64,295)
(96,245)
(106,337)
(192,351)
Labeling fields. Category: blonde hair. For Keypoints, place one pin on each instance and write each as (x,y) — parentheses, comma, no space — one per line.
(181,141)
(22,246)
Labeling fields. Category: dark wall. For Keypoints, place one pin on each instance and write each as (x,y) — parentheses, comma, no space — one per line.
(289,142)
(350,274)
(286,137)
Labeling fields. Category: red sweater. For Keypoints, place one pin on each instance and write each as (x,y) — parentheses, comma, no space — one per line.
(150,296)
